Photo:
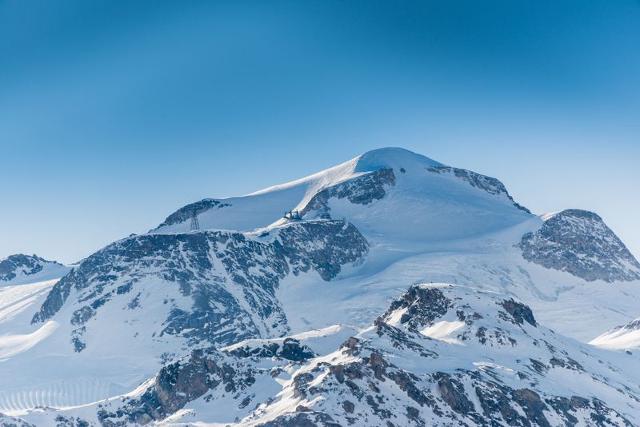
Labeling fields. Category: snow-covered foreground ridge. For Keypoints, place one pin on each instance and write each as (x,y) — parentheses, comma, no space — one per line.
(233,312)
(498,367)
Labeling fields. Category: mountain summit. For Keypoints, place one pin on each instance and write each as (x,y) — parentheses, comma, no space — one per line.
(416,199)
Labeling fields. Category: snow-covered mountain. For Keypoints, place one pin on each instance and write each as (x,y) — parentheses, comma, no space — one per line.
(440,355)
(389,194)
(17,269)
(212,315)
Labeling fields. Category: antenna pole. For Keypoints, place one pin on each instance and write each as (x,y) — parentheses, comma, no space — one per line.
(195,225)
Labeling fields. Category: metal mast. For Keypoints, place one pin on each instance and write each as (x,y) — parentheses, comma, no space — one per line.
(195,225)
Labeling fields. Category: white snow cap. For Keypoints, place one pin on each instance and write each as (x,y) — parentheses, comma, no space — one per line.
(392,157)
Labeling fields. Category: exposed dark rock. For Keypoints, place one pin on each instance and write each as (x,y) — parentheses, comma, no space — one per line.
(348,407)
(533,406)
(217,315)
(453,393)
(175,385)
(361,190)
(336,243)
(519,312)
(302,419)
(290,349)
(580,243)
(62,421)
(424,305)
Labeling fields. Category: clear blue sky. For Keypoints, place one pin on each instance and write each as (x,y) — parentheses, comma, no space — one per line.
(113,114)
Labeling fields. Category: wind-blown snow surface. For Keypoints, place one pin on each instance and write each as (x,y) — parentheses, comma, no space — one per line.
(369,229)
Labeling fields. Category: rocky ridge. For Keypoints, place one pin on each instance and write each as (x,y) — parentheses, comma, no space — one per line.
(229,278)
(580,243)
(28,268)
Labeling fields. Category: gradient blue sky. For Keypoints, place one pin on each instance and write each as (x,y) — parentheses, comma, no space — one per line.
(113,114)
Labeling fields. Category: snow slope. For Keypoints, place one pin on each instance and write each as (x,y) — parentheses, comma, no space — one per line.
(391,192)
(624,337)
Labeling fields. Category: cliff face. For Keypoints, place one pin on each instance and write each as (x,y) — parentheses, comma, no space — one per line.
(580,243)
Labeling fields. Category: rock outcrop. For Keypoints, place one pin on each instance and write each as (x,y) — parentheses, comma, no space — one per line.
(580,243)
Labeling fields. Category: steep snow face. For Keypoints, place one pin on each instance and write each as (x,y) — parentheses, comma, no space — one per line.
(19,268)
(385,192)
(622,337)
(126,310)
(501,368)
(580,243)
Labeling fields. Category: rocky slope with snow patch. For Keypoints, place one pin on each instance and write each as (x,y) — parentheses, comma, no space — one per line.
(6,421)
(579,242)
(128,309)
(496,366)
(229,278)
(440,355)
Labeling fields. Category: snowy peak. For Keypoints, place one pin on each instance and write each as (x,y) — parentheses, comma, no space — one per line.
(19,268)
(621,337)
(388,192)
(392,158)
(580,243)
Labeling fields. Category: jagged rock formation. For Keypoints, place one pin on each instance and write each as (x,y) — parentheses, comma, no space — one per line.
(23,268)
(580,243)
(443,356)
(230,279)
